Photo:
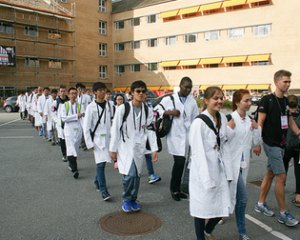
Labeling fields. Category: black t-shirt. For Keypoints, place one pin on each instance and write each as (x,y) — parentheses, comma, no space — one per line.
(61,101)
(102,105)
(274,107)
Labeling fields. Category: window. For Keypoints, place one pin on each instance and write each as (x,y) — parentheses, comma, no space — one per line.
(54,64)
(31,31)
(152,18)
(152,42)
(120,47)
(119,24)
(236,33)
(120,69)
(212,36)
(171,40)
(135,22)
(54,34)
(152,67)
(136,68)
(6,27)
(32,62)
(135,45)
(190,38)
(103,72)
(237,64)
(102,28)
(63,1)
(102,49)
(102,6)
(262,30)
(261,63)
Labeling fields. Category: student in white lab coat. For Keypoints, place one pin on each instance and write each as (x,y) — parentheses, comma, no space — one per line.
(37,116)
(21,102)
(30,104)
(210,169)
(247,135)
(72,114)
(51,116)
(128,142)
(183,114)
(98,116)
(41,109)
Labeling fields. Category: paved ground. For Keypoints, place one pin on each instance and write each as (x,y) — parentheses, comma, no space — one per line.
(39,199)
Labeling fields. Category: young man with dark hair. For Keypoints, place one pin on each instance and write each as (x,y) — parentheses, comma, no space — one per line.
(72,114)
(21,103)
(41,109)
(50,114)
(59,126)
(183,109)
(96,128)
(30,104)
(129,134)
(274,119)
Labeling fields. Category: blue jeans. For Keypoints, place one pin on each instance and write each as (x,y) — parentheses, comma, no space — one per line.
(100,177)
(149,163)
(200,226)
(241,203)
(131,184)
(44,125)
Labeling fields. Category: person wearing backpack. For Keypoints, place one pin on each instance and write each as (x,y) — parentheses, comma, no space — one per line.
(129,134)
(71,114)
(246,136)
(182,110)
(211,168)
(274,123)
(96,131)
(292,147)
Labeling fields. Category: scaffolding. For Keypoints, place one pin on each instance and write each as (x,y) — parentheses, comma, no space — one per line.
(43,34)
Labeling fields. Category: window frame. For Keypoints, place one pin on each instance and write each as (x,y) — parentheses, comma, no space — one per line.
(102,53)
(132,45)
(155,42)
(150,67)
(187,37)
(118,69)
(133,23)
(5,25)
(55,63)
(210,33)
(103,74)
(132,68)
(118,47)
(257,29)
(56,35)
(168,42)
(102,31)
(102,7)
(235,36)
(149,18)
(117,25)
(27,31)
(32,62)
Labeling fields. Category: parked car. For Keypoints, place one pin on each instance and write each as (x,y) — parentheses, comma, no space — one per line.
(9,104)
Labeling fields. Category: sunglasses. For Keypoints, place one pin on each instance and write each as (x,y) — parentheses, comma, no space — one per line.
(139,91)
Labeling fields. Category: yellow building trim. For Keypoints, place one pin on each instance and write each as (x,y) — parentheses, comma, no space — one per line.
(258,86)
(210,6)
(153,88)
(169,14)
(189,10)
(260,57)
(204,87)
(254,1)
(189,62)
(118,89)
(210,60)
(229,87)
(233,3)
(169,63)
(162,88)
(234,59)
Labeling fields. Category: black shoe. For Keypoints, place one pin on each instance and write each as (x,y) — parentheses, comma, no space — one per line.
(53,144)
(76,174)
(105,196)
(176,196)
(84,148)
(183,195)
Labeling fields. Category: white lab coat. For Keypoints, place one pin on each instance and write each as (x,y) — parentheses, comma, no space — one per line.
(30,103)
(41,106)
(51,114)
(72,128)
(209,189)
(178,137)
(21,101)
(37,117)
(129,150)
(245,138)
(102,134)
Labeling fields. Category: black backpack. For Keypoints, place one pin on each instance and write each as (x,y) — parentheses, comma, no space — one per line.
(126,113)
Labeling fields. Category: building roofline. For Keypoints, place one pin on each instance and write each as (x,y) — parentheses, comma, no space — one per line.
(34,9)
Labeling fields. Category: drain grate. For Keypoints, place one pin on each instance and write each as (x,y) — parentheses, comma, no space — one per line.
(130,224)
(256,183)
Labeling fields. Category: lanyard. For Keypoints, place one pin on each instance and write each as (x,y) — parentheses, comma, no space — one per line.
(140,119)
(282,114)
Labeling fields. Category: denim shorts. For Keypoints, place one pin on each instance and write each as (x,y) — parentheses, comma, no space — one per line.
(275,159)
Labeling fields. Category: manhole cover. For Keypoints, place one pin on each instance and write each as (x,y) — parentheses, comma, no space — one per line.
(130,224)
(256,183)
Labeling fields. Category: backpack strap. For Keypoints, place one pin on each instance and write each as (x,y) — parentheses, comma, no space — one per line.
(67,107)
(127,109)
(229,117)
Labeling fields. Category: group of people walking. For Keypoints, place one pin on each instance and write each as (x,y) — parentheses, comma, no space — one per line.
(219,146)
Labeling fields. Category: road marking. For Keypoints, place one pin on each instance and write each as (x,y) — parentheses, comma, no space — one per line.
(267,228)
(16,137)
(9,122)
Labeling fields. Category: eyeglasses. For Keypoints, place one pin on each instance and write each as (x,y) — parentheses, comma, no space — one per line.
(73,93)
(139,91)
(121,99)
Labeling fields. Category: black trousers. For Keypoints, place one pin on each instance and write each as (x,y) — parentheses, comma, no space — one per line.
(200,226)
(177,172)
(63,147)
(72,163)
(288,154)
